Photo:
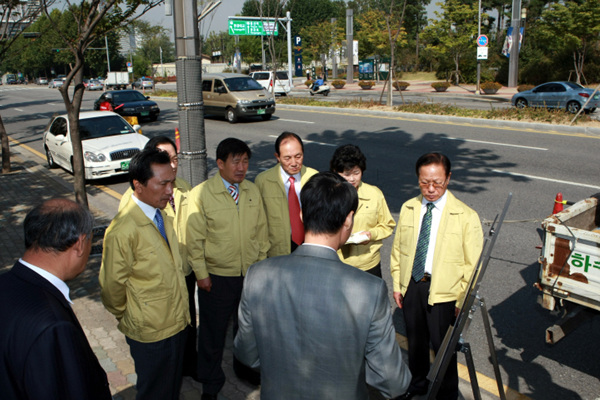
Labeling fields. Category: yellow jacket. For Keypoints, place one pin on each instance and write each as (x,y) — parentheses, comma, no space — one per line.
(222,238)
(180,191)
(275,200)
(141,278)
(372,215)
(457,249)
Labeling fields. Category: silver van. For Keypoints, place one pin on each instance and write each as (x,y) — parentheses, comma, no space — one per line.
(234,96)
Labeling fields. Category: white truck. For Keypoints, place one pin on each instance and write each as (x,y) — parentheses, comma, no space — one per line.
(569,275)
(116,80)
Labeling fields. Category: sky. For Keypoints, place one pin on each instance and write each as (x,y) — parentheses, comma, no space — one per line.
(216,21)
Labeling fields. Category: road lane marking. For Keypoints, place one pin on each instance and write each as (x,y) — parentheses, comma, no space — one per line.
(19,109)
(295,120)
(497,144)
(310,141)
(541,178)
(470,125)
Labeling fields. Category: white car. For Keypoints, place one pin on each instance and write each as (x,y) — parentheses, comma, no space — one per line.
(55,83)
(108,143)
(94,85)
(281,82)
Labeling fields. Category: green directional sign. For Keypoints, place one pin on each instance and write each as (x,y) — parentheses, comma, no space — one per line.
(252,27)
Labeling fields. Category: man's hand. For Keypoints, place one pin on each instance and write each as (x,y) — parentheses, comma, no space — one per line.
(369,235)
(205,284)
(398,298)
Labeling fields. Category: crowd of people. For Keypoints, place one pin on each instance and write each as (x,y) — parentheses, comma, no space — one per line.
(293,258)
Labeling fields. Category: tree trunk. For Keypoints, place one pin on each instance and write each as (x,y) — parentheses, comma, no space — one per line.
(5,149)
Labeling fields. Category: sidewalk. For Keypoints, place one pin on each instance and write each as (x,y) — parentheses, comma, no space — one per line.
(504,94)
(31,182)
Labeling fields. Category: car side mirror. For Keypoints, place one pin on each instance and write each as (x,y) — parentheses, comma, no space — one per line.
(137,128)
(221,90)
(147,97)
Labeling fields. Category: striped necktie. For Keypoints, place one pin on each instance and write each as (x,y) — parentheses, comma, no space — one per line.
(233,191)
(418,270)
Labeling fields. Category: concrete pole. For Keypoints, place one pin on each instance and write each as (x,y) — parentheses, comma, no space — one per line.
(289,43)
(190,107)
(477,90)
(513,65)
(349,45)
(333,57)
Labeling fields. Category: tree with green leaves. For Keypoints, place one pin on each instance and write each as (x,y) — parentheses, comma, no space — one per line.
(572,28)
(452,36)
(318,38)
(153,38)
(83,25)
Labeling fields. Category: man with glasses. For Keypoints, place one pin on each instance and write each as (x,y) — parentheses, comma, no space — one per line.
(436,248)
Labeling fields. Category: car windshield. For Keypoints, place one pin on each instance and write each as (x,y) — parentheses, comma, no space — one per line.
(127,97)
(574,85)
(92,128)
(242,84)
(283,75)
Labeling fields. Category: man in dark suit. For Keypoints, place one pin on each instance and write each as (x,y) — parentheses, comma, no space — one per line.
(316,327)
(45,354)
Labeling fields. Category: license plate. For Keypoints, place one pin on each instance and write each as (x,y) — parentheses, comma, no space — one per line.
(145,113)
(124,165)
(260,112)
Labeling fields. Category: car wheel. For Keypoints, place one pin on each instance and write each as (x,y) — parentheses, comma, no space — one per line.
(266,117)
(153,118)
(231,116)
(521,103)
(311,93)
(573,107)
(51,163)
(325,93)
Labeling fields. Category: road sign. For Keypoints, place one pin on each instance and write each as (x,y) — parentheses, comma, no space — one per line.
(482,41)
(129,64)
(252,27)
(482,53)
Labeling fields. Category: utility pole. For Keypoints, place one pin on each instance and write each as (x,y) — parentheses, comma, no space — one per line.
(333,57)
(190,107)
(349,45)
(513,64)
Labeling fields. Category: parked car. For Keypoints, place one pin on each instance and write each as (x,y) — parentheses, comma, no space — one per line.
(94,85)
(143,83)
(281,81)
(565,95)
(108,143)
(42,81)
(234,96)
(55,83)
(129,103)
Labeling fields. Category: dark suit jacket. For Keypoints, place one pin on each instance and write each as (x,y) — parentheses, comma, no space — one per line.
(318,329)
(45,354)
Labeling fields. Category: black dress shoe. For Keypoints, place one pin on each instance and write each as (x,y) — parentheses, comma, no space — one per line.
(409,395)
(208,396)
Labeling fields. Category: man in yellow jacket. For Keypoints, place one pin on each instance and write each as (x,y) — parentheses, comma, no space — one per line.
(142,278)
(226,233)
(274,185)
(177,209)
(436,248)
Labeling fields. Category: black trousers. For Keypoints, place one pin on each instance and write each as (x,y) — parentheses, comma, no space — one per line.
(215,309)
(425,324)
(158,367)
(190,354)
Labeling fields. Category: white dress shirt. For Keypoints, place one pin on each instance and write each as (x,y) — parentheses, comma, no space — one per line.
(53,279)
(436,216)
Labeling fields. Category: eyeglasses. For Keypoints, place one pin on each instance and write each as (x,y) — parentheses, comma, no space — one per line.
(436,185)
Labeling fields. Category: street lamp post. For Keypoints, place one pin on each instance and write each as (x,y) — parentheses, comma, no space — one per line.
(478,61)
(513,64)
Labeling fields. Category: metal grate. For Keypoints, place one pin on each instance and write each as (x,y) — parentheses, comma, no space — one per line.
(123,154)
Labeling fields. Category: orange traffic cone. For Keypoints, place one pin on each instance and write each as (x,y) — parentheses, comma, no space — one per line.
(558,203)
(178,140)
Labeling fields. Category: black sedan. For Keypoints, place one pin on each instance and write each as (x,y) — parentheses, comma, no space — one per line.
(128,103)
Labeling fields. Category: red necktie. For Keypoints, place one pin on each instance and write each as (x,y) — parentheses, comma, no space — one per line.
(294,208)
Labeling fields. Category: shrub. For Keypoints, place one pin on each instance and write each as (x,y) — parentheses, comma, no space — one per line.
(338,82)
(490,85)
(522,88)
(366,83)
(440,84)
(308,83)
(399,84)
